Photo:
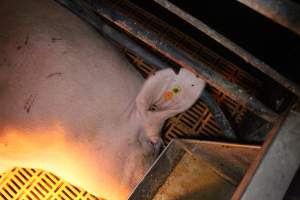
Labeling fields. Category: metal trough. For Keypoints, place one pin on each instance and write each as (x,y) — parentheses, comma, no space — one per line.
(191,169)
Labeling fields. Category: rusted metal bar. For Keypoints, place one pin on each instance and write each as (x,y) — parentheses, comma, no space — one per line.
(123,40)
(169,51)
(283,12)
(245,55)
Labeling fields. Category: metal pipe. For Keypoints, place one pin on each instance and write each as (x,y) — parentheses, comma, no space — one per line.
(245,55)
(218,115)
(115,36)
(283,12)
(79,8)
(169,51)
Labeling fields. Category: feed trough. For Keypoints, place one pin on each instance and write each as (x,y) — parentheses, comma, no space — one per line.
(190,169)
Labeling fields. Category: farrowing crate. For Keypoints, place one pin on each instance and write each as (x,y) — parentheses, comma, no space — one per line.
(197,122)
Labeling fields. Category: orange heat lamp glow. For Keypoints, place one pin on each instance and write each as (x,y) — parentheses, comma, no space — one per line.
(52,151)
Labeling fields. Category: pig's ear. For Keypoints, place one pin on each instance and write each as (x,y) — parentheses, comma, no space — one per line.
(166,94)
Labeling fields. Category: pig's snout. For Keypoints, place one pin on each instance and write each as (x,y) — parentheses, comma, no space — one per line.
(157,144)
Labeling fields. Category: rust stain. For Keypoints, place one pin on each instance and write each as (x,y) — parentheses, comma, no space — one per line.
(193,179)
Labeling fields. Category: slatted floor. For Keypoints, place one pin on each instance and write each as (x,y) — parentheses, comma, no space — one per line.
(31,184)
(197,122)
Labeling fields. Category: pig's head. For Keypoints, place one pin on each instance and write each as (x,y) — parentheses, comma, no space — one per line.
(162,95)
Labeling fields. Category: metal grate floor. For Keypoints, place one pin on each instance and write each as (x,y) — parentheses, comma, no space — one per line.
(32,184)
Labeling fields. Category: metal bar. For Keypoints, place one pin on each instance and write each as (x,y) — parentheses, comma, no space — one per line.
(169,51)
(279,163)
(245,55)
(123,40)
(80,9)
(283,12)
(251,170)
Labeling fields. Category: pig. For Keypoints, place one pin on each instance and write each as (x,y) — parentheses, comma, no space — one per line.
(71,103)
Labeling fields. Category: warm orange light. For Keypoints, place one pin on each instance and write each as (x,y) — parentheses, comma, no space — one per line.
(29,184)
(69,158)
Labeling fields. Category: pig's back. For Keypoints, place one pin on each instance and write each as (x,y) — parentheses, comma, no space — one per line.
(53,67)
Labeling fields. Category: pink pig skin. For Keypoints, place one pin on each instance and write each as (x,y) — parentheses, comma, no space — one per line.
(71,104)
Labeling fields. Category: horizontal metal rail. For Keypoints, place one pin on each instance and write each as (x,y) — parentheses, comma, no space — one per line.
(283,12)
(172,53)
(245,55)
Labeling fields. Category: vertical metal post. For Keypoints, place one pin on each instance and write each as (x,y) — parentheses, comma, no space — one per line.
(271,175)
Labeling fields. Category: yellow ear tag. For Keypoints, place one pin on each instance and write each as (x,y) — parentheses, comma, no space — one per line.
(176,90)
